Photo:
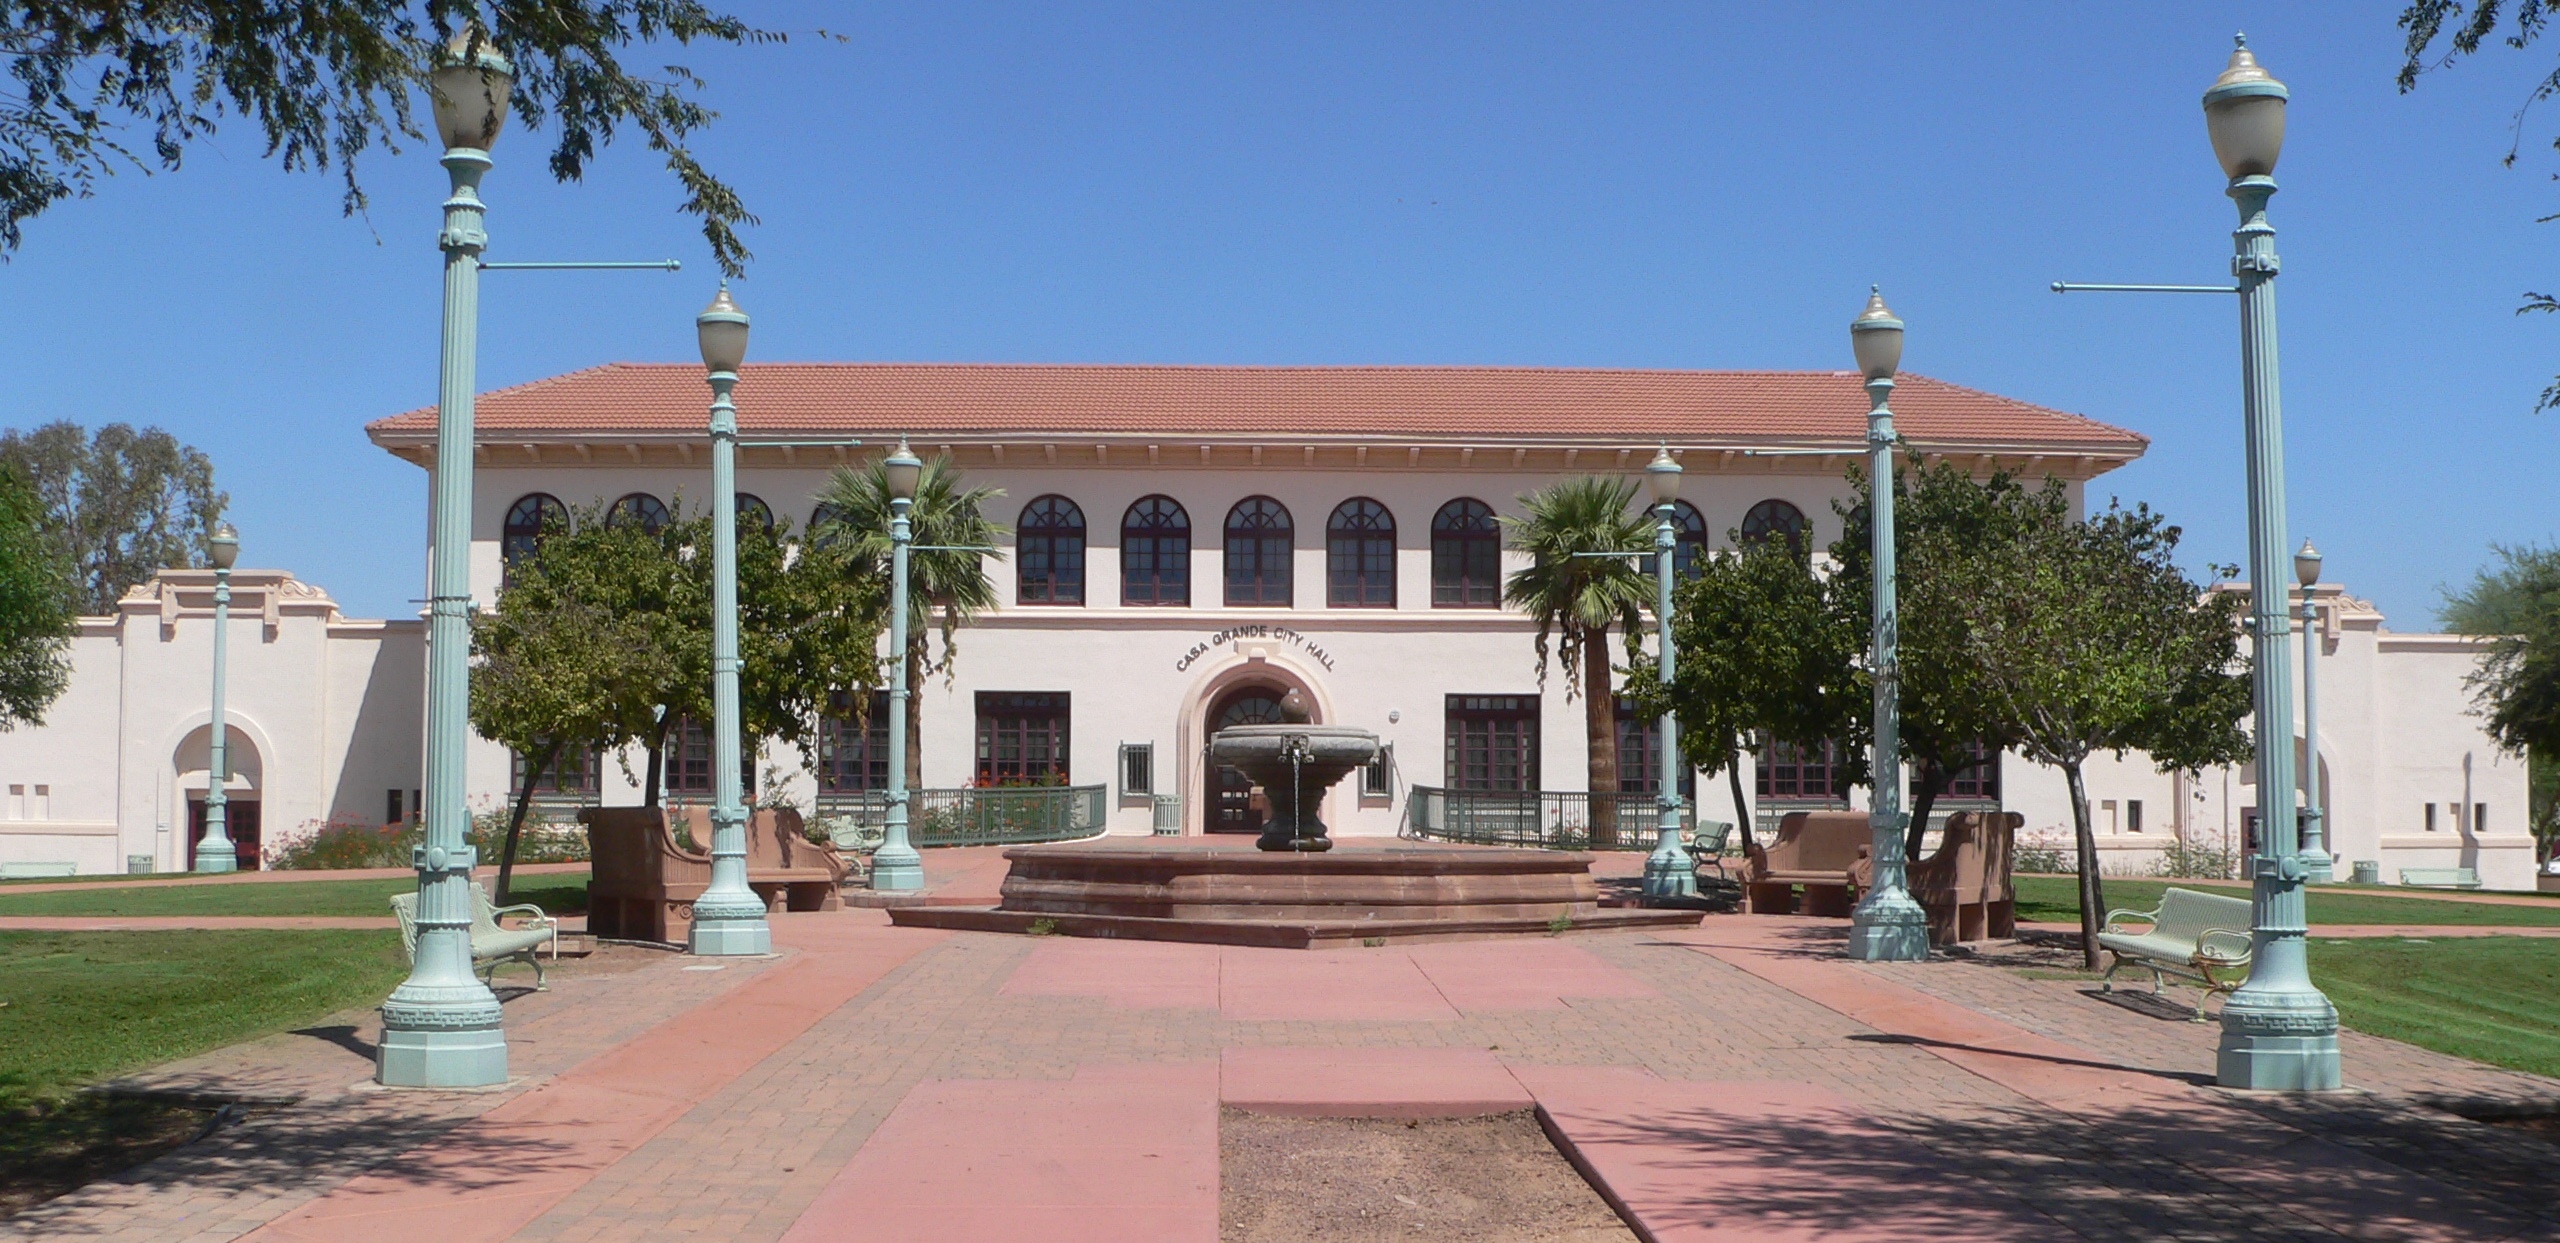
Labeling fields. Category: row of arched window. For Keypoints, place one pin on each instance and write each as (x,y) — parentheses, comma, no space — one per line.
(1259,535)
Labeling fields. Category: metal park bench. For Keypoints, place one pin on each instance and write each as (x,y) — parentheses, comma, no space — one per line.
(2202,936)
(2440,878)
(1707,846)
(491,943)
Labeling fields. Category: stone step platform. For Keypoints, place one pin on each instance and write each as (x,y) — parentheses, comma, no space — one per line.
(1227,893)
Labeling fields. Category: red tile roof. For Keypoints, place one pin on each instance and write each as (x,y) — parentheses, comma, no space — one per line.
(1031,400)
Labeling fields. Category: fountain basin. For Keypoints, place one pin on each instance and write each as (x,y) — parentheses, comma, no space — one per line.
(1294,763)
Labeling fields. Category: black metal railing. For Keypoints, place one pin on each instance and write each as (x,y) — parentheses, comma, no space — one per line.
(1549,819)
(1004,815)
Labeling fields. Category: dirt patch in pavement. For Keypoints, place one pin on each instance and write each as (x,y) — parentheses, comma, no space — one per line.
(1490,1179)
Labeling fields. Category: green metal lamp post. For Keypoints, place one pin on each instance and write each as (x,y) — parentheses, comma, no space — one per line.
(896,867)
(2278,1031)
(441,1027)
(1888,924)
(216,853)
(728,919)
(1668,871)
(2319,867)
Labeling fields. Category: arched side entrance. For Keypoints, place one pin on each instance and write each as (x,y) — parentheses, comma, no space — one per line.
(191,759)
(1227,796)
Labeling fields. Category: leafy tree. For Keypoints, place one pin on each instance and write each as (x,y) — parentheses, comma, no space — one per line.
(602,638)
(2516,688)
(122,505)
(2424,22)
(1577,598)
(2088,637)
(1765,655)
(325,80)
(945,588)
(36,617)
(1943,517)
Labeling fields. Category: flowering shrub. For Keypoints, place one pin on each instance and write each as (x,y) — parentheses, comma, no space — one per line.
(343,842)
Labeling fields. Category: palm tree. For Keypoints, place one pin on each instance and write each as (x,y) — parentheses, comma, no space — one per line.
(944,588)
(1577,598)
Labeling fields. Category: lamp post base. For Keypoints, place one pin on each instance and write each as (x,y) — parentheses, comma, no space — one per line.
(2279,1042)
(2318,867)
(1889,927)
(730,936)
(897,873)
(441,1045)
(1669,874)
(226,859)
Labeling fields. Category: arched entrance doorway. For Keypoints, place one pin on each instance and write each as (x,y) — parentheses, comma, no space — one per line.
(192,759)
(1229,796)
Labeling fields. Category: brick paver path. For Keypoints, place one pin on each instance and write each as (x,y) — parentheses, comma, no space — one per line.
(1741,1080)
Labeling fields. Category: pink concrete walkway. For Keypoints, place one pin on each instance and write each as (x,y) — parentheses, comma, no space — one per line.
(183,923)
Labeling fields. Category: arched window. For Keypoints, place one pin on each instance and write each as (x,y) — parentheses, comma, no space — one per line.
(1689,533)
(1155,553)
(533,515)
(752,509)
(1776,518)
(1466,556)
(1049,553)
(1360,556)
(638,509)
(1258,541)
(826,524)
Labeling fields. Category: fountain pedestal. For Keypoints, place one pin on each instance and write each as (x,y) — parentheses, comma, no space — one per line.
(1294,763)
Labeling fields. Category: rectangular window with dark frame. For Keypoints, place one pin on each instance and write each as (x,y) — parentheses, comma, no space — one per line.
(1022,738)
(1982,781)
(573,774)
(686,762)
(1137,769)
(1492,742)
(1640,755)
(1791,772)
(853,748)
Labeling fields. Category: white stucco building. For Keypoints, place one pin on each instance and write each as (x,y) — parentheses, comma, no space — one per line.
(1189,544)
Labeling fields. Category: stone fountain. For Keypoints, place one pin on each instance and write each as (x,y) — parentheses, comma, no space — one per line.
(1296,891)
(1295,763)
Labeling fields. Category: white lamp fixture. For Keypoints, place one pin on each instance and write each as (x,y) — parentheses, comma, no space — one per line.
(1876,336)
(1662,477)
(903,469)
(223,545)
(2244,115)
(721,330)
(470,87)
(2306,566)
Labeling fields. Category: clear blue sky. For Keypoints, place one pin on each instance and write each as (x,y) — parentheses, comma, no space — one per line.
(1661,185)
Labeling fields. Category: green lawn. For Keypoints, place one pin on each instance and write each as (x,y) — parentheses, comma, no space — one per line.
(555,892)
(2057,899)
(2491,999)
(83,1006)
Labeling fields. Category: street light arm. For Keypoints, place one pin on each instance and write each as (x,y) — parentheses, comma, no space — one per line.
(651,265)
(2071,287)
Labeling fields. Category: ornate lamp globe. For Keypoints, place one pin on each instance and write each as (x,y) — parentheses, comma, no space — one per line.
(2244,115)
(903,468)
(1876,337)
(721,330)
(223,545)
(1662,477)
(2306,565)
(469,88)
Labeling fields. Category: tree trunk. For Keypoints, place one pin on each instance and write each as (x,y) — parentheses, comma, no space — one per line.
(2093,897)
(914,724)
(1741,806)
(1928,781)
(515,826)
(1600,723)
(656,768)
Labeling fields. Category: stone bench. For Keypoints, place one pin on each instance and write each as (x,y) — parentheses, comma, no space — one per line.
(1814,851)
(2440,878)
(2200,936)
